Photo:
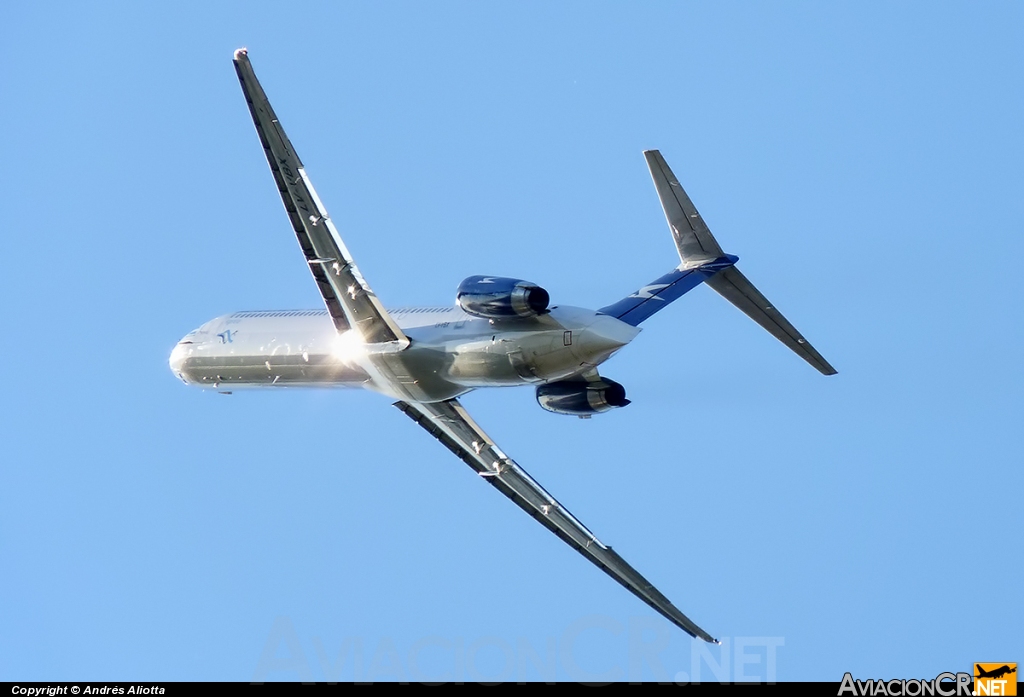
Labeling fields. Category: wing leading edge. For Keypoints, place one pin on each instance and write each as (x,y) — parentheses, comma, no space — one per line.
(449,423)
(349,300)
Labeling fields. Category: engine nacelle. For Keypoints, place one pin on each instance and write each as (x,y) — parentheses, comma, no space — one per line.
(491,297)
(582,398)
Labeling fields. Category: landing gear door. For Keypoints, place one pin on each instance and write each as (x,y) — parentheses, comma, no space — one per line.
(522,367)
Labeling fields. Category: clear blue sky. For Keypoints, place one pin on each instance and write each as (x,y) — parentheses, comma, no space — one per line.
(863,160)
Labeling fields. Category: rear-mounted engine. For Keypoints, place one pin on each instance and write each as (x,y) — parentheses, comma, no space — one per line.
(582,398)
(491,297)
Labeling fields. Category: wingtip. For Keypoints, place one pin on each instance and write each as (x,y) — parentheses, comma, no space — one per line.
(240,52)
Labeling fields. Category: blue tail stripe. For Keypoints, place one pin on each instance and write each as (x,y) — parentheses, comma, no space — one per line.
(657,295)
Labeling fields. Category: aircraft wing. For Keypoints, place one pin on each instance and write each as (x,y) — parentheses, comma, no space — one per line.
(450,424)
(348,297)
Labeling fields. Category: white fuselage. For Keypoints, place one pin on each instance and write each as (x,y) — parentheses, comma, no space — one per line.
(450,351)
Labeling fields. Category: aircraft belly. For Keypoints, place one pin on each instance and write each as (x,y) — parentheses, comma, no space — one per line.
(514,359)
(300,370)
(419,373)
(484,368)
(445,359)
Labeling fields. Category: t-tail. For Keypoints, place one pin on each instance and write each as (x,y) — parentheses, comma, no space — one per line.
(703,261)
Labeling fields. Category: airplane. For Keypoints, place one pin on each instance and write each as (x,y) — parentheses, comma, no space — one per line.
(500,332)
(996,672)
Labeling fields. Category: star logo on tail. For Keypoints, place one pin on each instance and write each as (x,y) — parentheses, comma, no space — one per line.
(648,292)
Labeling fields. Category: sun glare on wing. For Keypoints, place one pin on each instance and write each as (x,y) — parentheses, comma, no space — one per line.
(349,347)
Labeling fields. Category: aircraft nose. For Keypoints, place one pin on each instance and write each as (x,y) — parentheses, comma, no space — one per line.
(602,338)
(177,359)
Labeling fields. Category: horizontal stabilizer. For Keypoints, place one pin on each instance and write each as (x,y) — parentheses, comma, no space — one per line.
(694,241)
(732,285)
(699,251)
